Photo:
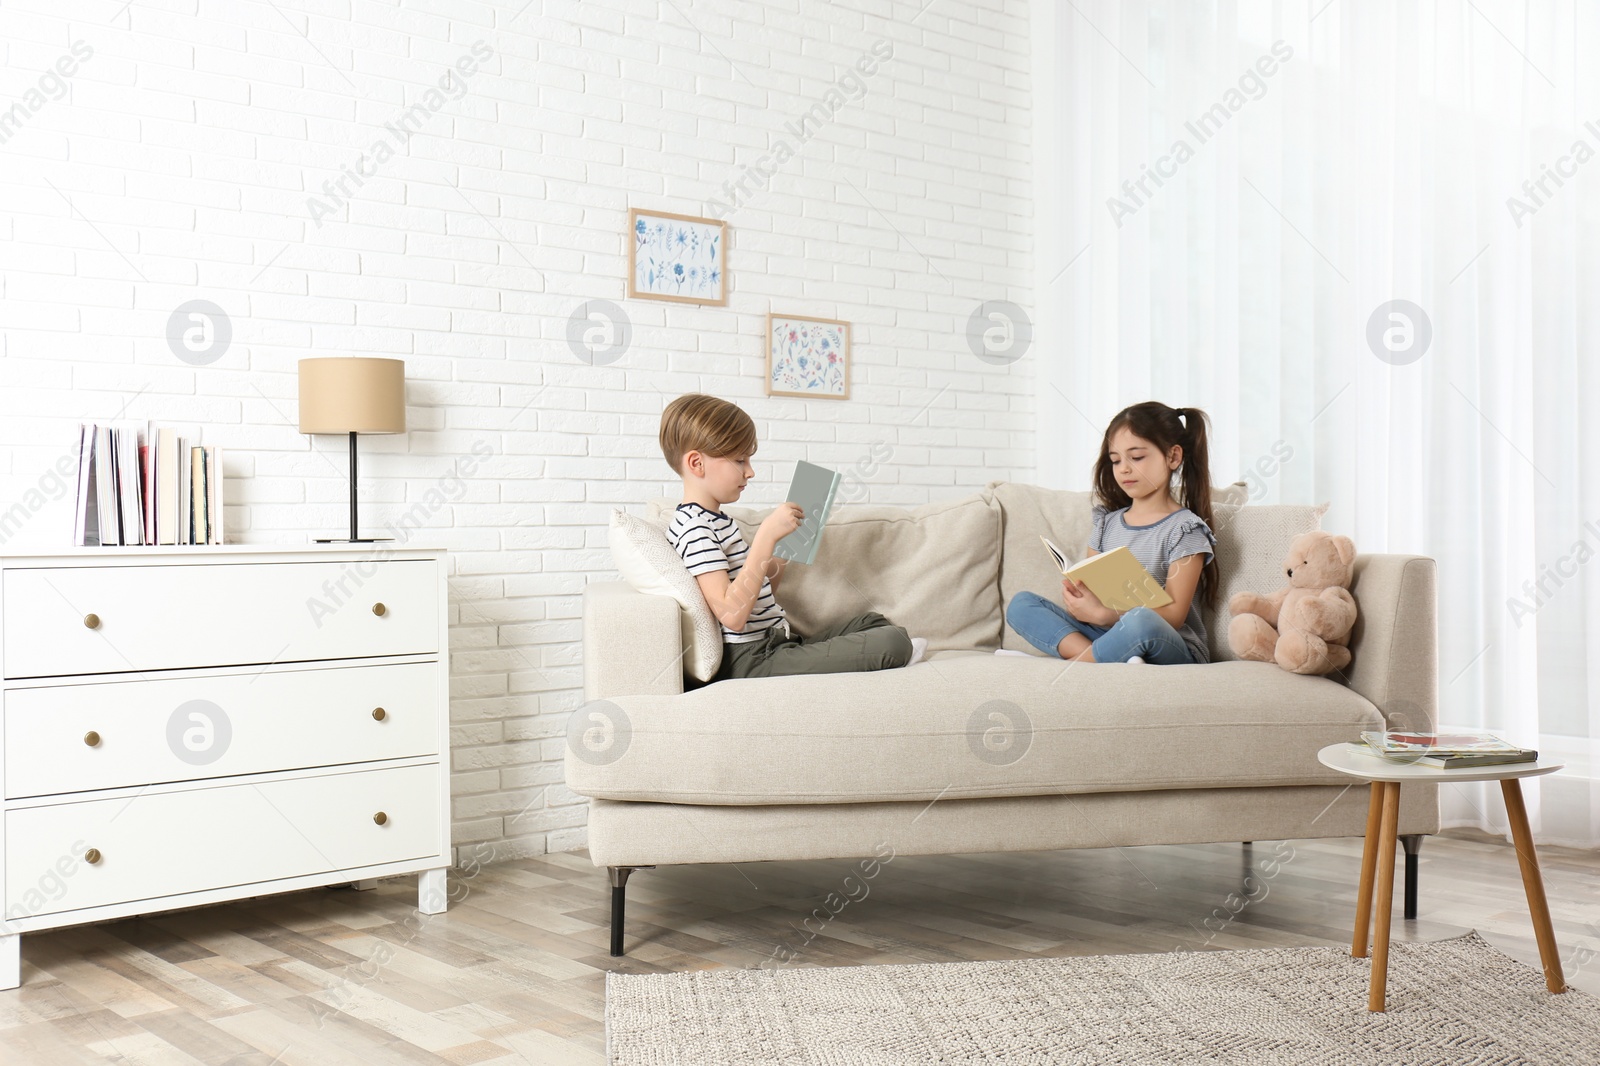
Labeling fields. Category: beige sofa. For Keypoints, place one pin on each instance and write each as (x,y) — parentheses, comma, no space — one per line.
(972,752)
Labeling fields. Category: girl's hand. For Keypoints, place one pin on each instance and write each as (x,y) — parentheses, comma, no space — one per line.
(1084,605)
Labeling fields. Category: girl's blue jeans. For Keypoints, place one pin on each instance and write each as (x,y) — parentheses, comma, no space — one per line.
(1140,632)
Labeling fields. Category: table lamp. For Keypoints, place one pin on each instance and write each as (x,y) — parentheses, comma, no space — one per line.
(352,395)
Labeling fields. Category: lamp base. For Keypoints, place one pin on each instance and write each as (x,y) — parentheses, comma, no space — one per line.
(352,540)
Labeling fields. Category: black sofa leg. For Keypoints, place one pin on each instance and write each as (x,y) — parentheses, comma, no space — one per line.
(1412,842)
(619,901)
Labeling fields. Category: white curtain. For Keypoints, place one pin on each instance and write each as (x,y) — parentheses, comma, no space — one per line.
(1316,161)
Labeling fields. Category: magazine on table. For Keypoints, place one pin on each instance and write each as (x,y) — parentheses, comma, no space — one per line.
(1455,749)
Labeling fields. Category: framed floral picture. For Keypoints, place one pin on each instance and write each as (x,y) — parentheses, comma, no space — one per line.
(677,257)
(808,357)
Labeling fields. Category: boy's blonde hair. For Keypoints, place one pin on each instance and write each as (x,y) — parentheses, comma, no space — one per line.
(705,424)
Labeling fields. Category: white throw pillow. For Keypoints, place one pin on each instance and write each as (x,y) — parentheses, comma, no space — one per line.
(646,560)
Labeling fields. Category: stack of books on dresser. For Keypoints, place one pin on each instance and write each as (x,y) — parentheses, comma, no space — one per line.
(1454,750)
(144,484)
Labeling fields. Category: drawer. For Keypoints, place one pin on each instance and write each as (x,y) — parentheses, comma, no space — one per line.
(215,614)
(183,729)
(155,845)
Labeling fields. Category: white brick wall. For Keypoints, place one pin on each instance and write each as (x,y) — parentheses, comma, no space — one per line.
(176,162)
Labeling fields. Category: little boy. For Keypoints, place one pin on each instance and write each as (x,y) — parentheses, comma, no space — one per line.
(708,442)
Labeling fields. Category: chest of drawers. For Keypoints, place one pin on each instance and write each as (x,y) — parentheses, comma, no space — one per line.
(188,726)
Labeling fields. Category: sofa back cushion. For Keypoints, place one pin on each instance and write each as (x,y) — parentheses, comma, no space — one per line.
(932,569)
(1031,511)
(1251,545)
(1027,513)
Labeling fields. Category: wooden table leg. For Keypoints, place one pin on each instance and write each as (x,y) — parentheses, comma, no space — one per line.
(1385,889)
(1369,865)
(1533,885)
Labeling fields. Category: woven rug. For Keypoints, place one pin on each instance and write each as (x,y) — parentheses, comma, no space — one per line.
(1454,1001)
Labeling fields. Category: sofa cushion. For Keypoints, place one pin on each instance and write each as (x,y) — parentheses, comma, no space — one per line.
(646,560)
(1029,511)
(965,726)
(933,569)
(1251,545)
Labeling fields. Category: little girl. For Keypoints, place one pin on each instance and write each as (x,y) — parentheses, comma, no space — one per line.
(1143,448)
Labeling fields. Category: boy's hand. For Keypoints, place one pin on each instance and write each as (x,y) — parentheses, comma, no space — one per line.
(1084,605)
(785,519)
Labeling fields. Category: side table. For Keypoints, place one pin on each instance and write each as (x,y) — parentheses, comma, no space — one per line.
(1383,816)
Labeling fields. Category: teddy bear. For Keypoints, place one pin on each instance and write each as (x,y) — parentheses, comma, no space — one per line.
(1304,626)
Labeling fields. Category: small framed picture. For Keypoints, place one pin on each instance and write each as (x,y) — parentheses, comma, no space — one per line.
(808,357)
(677,257)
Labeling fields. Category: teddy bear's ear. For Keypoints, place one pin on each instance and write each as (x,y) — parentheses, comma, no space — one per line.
(1346,549)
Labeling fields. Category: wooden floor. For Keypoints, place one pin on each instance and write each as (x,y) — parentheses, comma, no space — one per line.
(515,971)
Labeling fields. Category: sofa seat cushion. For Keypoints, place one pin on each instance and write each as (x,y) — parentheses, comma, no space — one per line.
(967,726)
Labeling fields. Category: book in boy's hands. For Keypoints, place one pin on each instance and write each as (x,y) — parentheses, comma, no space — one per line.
(1457,749)
(812,490)
(1119,580)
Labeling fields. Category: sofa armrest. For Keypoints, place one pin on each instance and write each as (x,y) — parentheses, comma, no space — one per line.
(632,642)
(1394,647)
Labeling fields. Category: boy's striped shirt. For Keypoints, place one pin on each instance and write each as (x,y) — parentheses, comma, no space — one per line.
(709,540)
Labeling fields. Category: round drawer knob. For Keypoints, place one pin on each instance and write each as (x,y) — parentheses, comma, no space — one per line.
(381,818)
(379,714)
(91,621)
(379,609)
(92,739)
(91,856)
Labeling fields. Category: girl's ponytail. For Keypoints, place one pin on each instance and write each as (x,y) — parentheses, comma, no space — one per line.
(1195,474)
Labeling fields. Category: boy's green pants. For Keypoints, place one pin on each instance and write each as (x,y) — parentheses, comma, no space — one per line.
(865,642)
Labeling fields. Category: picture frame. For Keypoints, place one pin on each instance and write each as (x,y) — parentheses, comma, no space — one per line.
(808,357)
(677,258)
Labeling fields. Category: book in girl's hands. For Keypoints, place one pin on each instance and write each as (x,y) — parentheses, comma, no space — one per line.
(812,490)
(1119,580)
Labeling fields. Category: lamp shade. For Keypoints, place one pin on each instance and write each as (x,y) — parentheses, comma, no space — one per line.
(352,395)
